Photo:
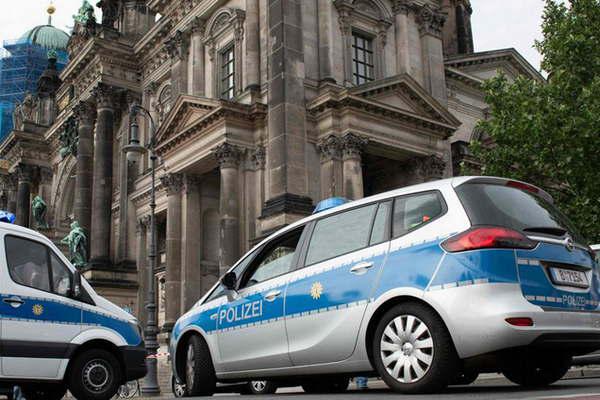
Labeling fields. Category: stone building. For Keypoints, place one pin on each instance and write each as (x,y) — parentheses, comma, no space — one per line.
(261,109)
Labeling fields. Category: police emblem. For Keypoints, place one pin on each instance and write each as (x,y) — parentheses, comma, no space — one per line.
(316,290)
(38,309)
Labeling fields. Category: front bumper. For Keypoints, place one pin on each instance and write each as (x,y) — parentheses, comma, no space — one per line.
(475,316)
(134,359)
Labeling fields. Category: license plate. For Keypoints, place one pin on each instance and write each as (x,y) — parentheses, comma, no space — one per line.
(569,277)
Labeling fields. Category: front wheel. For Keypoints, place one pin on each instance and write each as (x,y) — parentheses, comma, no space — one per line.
(95,375)
(413,351)
(538,371)
(260,387)
(44,392)
(200,379)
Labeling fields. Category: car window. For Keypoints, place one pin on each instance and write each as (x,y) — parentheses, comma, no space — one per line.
(28,263)
(61,276)
(239,269)
(340,234)
(276,259)
(381,225)
(413,211)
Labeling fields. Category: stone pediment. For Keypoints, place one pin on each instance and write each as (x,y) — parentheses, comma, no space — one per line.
(398,97)
(185,111)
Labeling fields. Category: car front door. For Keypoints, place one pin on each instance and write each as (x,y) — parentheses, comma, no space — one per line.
(326,299)
(251,327)
(39,319)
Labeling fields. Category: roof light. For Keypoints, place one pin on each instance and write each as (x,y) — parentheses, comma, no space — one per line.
(330,203)
(8,217)
(486,237)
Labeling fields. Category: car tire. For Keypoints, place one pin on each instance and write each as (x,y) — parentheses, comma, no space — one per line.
(465,378)
(260,387)
(95,375)
(44,392)
(413,351)
(178,389)
(200,379)
(537,371)
(329,386)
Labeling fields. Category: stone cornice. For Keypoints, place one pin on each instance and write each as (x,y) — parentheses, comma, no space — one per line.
(24,147)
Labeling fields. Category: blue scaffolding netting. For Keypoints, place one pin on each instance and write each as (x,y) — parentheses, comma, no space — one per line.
(21,65)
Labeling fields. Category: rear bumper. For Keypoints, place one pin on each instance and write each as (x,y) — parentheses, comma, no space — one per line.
(475,316)
(134,359)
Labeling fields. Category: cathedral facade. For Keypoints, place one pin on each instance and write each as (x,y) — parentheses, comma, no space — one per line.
(259,109)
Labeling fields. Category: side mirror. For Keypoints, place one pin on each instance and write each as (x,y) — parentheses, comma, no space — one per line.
(229,280)
(76,290)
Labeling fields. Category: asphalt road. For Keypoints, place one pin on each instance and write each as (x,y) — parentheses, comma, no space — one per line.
(580,389)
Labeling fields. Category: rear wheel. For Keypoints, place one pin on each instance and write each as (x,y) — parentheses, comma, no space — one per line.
(44,392)
(537,371)
(260,387)
(95,375)
(200,377)
(334,385)
(413,351)
(178,389)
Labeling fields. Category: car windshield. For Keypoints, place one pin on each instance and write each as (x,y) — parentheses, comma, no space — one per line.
(490,204)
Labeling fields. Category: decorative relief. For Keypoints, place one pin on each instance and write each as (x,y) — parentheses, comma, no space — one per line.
(402,6)
(430,167)
(177,46)
(173,183)
(431,21)
(228,155)
(258,158)
(85,113)
(105,96)
(330,148)
(353,145)
(69,139)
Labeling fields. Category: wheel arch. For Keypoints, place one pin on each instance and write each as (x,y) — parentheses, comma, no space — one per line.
(100,343)
(182,340)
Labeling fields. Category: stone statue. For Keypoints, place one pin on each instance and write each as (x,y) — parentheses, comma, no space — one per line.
(110,12)
(77,242)
(18,117)
(68,139)
(28,107)
(39,209)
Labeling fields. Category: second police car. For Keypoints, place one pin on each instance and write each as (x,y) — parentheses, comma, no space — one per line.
(424,286)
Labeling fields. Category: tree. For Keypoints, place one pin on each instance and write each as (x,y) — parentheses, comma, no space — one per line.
(549,133)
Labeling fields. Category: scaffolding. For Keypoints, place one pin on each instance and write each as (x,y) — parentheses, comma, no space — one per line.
(21,65)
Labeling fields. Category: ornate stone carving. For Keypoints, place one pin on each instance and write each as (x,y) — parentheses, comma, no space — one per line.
(402,6)
(177,46)
(191,183)
(69,139)
(258,157)
(8,182)
(237,19)
(105,95)
(430,167)
(25,111)
(228,155)
(197,25)
(24,173)
(142,224)
(173,183)
(330,148)
(84,113)
(353,145)
(431,21)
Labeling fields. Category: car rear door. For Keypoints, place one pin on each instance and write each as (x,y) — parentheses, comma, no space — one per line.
(39,320)
(326,299)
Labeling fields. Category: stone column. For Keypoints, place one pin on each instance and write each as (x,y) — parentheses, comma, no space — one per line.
(353,146)
(401,9)
(173,184)
(252,50)
(9,189)
(431,22)
(45,191)
(345,21)
(142,236)
(82,208)
(191,243)
(330,149)
(177,46)
(286,117)
(326,25)
(24,176)
(197,53)
(228,157)
(103,175)
(428,168)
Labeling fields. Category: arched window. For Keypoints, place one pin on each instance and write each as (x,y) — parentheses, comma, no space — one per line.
(164,103)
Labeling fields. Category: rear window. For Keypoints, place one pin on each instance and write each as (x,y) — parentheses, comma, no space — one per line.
(488,204)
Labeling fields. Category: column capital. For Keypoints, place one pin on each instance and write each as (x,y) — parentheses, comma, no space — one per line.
(197,25)
(142,223)
(353,145)
(228,155)
(429,168)
(173,183)
(105,96)
(24,172)
(402,6)
(330,148)
(258,158)
(46,175)
(177,46)
(8,182)
(85,113)
(431,20)
(191,183)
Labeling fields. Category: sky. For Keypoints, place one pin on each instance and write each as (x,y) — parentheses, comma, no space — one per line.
(496,23)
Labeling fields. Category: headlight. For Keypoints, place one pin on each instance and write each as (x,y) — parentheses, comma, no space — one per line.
(135,325)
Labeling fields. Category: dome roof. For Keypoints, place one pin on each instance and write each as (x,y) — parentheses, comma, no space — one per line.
(48,37)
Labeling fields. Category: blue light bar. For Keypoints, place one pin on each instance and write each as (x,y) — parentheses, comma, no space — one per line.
(6,216)
(330,203)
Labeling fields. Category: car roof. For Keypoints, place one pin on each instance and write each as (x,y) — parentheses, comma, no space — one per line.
(20,230)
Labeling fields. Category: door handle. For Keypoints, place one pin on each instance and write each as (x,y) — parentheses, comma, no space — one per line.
(271,296)
(361,268)
(14,301)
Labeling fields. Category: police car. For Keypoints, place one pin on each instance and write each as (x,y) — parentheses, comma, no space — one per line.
(56,333)
(425,286)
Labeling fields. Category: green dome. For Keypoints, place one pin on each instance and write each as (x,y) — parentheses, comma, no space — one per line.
(48,37)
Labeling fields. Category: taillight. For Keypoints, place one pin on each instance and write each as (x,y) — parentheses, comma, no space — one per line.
(487,237)
(520,321)
(523,186)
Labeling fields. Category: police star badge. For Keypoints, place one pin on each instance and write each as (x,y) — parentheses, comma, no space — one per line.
(38,309)
(316,290)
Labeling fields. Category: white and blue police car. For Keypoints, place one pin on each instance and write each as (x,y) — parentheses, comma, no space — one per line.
(56,333)
(425,286)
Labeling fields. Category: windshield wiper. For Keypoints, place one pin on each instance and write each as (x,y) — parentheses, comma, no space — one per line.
(549,230)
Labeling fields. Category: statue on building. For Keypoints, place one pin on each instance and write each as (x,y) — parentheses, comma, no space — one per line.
(86,17)
(110,12)
(39,210)
(68,139)
(77,242)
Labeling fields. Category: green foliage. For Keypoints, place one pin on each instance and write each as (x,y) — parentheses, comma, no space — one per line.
(549,133)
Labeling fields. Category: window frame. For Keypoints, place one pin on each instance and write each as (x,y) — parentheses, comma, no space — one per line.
(228,48)
(48,267)
(366,37)
(416,194)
